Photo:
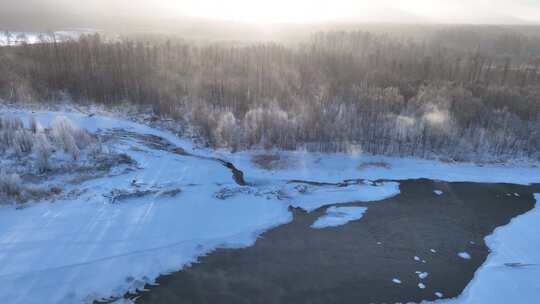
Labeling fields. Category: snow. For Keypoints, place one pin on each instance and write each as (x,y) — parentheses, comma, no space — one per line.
(438,192)
(421,286)
(464,255)
(338,167)
(397,281)
(337,216)
(321,167)
(433,251)
(50,249)
(497,283)
(416,258)
(438,294)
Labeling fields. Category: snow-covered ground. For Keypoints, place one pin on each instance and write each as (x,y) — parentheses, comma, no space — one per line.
(86,248)
(338,167)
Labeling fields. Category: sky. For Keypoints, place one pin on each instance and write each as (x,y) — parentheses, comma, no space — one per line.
(292,11)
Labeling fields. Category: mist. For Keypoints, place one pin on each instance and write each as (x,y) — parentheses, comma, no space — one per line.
(167,15)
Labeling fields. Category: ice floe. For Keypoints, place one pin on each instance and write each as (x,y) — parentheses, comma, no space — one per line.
(337,216)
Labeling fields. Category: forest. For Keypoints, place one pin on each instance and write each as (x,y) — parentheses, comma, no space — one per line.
(461,93)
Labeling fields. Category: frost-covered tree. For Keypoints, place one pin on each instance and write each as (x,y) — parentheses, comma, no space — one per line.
(10,185)
(421,94)
(43,151)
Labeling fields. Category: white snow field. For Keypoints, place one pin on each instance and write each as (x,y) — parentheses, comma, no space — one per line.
(85,248)
(338,216)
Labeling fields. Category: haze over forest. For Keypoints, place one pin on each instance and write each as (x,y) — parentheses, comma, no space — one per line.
(454,79)
(163,15)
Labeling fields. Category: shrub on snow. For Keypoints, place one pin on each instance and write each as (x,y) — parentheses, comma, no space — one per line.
(13,191)
(9,127)
(10,185)
(43,151)
(43,143)
(10,123)
(22,142)
(32,149)
(70,137)
(35,126)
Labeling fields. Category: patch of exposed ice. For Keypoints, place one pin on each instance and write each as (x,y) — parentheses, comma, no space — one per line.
(309,197)
(423,275)
(337,216)
(464,255)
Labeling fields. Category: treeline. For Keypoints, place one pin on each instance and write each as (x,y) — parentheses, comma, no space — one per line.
(437,96)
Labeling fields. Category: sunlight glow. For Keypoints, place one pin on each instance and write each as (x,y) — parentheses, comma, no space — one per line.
(269,11)
(293,11)
(304,11)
